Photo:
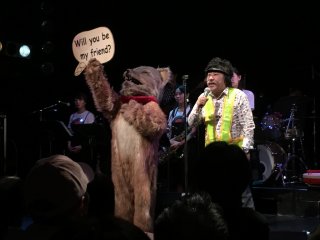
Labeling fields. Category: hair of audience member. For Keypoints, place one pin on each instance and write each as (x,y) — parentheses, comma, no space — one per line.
(56,187)
(223,171)
(193,217)
(102,228)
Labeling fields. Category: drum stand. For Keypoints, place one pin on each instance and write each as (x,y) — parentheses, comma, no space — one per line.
(296,161)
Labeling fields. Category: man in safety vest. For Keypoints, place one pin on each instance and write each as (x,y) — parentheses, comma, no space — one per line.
(224,110)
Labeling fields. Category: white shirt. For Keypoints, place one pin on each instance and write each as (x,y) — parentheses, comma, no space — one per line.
(250,96)
(86,117)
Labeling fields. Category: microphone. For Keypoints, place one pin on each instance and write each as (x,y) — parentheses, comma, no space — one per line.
(206,91)
(185,77)
(64,103)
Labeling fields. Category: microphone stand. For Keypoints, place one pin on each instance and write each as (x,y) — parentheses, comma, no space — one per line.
(186,167)
(3,165)
(314,125)
(41,110)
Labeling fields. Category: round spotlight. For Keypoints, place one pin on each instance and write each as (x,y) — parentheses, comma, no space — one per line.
(24,51)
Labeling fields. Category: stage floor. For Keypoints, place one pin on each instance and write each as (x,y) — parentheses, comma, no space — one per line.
(292,209)
(291,227)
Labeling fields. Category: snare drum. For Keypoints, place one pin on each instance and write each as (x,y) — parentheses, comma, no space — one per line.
(271,155)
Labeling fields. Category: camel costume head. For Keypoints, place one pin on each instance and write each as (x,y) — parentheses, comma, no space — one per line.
(137,123)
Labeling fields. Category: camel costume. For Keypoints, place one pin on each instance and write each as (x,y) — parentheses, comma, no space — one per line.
(137,123)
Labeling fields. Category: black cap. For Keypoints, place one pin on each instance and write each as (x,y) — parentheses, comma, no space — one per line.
(219,65)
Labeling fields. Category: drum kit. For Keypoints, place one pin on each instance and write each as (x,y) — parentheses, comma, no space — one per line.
(277,165)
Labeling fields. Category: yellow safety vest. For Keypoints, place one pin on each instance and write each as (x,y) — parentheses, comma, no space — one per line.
(226,118)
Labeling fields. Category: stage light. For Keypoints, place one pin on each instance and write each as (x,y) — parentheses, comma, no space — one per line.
(11,49)
(14,49)
(47,7)
(47,26)
(0,46)
(47,68)
(24,51)
(47,48)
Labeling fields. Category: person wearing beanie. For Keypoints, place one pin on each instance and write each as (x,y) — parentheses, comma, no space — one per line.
(224,110)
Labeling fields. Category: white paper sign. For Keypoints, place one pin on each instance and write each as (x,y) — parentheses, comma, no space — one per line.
(97,43)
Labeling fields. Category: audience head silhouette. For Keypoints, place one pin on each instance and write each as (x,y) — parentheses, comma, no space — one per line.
(56,187)
(11,204)
(105,228)
(223,171)
(193,217)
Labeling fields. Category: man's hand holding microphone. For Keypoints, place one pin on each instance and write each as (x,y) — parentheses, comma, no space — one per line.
(203,98)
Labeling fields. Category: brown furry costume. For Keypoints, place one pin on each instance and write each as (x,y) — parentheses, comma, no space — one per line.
(137,123)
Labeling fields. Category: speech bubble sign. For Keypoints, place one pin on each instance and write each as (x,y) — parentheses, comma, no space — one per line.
(97,43)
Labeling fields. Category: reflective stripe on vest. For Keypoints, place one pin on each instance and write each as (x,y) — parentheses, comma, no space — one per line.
(226,118)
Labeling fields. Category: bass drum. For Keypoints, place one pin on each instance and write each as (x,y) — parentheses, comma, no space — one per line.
(271,155)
